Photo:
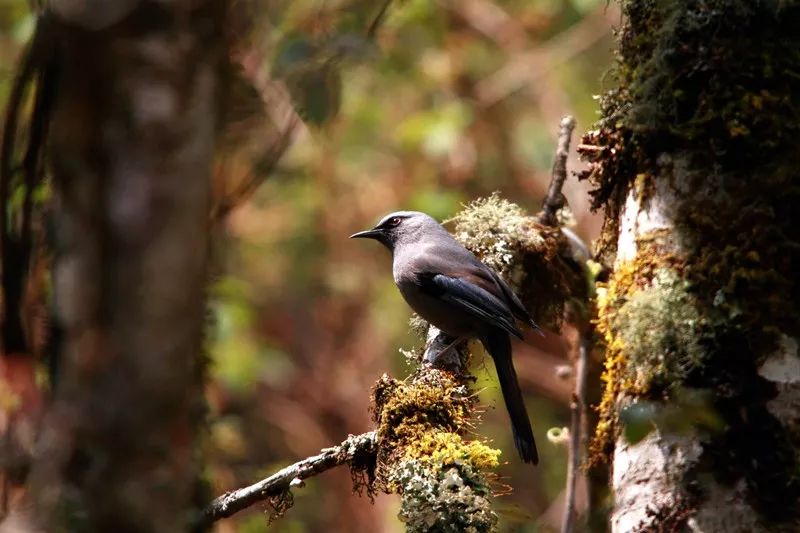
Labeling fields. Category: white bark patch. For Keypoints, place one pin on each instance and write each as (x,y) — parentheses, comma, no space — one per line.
(639,218)
(783,366)
(783,369)
(645,477)
(725,509)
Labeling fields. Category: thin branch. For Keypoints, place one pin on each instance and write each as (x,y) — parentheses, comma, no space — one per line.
(378,20)
(578,408)
(555,198)
(280,482)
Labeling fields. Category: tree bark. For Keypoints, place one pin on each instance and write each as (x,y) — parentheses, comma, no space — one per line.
(695,163)
(132,139)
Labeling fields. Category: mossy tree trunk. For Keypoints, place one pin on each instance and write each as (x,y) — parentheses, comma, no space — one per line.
(696,163)
(133,130)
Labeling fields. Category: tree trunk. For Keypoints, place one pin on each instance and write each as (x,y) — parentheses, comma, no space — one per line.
(132,140)
(696,163)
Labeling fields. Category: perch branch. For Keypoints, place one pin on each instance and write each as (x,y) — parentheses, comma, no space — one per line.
(555,198)
(577,407)
(282,480)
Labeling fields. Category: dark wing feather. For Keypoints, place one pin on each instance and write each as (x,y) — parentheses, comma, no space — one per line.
(473,299)
(517,309)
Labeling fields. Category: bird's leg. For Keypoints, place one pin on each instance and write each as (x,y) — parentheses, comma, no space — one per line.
(456,342)
(437,358)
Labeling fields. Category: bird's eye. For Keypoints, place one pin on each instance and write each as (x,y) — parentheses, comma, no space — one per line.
(394,221)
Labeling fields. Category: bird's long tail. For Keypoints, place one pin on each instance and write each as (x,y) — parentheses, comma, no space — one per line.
(499,346)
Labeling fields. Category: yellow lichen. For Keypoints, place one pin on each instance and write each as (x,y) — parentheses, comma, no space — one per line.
(627,280)
(405,411)
(444,448)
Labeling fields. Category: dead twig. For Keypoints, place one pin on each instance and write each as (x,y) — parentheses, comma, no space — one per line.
(554,200)
(283,480)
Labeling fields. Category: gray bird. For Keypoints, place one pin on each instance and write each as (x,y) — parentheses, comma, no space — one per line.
(450,288)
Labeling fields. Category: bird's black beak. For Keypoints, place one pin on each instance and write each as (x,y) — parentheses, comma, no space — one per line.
(368,234)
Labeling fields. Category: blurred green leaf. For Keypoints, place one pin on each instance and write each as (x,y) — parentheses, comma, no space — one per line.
(637,420)
(685,411)
(316,92)
(437,130)
(440,204)
(584,6)
(294,52)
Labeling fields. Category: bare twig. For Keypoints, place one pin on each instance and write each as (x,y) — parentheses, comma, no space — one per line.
(578,407)
(591,148)
(555,198)
(378,20)
(282,480)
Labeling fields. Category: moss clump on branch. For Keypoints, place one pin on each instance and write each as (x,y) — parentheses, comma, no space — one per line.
(404,411)
(444,479)
(530,256)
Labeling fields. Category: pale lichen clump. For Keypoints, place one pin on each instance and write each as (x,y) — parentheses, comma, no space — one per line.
(533,258)
(444,479)
(659,328)
(449,501)
(498,232)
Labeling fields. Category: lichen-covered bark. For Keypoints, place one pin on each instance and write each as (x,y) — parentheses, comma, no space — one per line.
(695,164)
(131,147)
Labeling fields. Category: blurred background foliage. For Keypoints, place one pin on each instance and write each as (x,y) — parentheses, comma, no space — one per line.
(346,112)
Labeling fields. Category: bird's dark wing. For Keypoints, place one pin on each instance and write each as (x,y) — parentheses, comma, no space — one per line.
(516,307)
(470,297)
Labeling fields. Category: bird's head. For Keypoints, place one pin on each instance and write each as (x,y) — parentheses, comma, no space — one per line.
(401,227)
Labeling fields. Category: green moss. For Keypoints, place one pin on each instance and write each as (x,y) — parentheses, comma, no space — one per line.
(711,73)
(707,78)
(407,411)
(422,419)
(444,448)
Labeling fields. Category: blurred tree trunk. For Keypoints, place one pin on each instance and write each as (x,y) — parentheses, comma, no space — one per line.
(696,163)
(133,134)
